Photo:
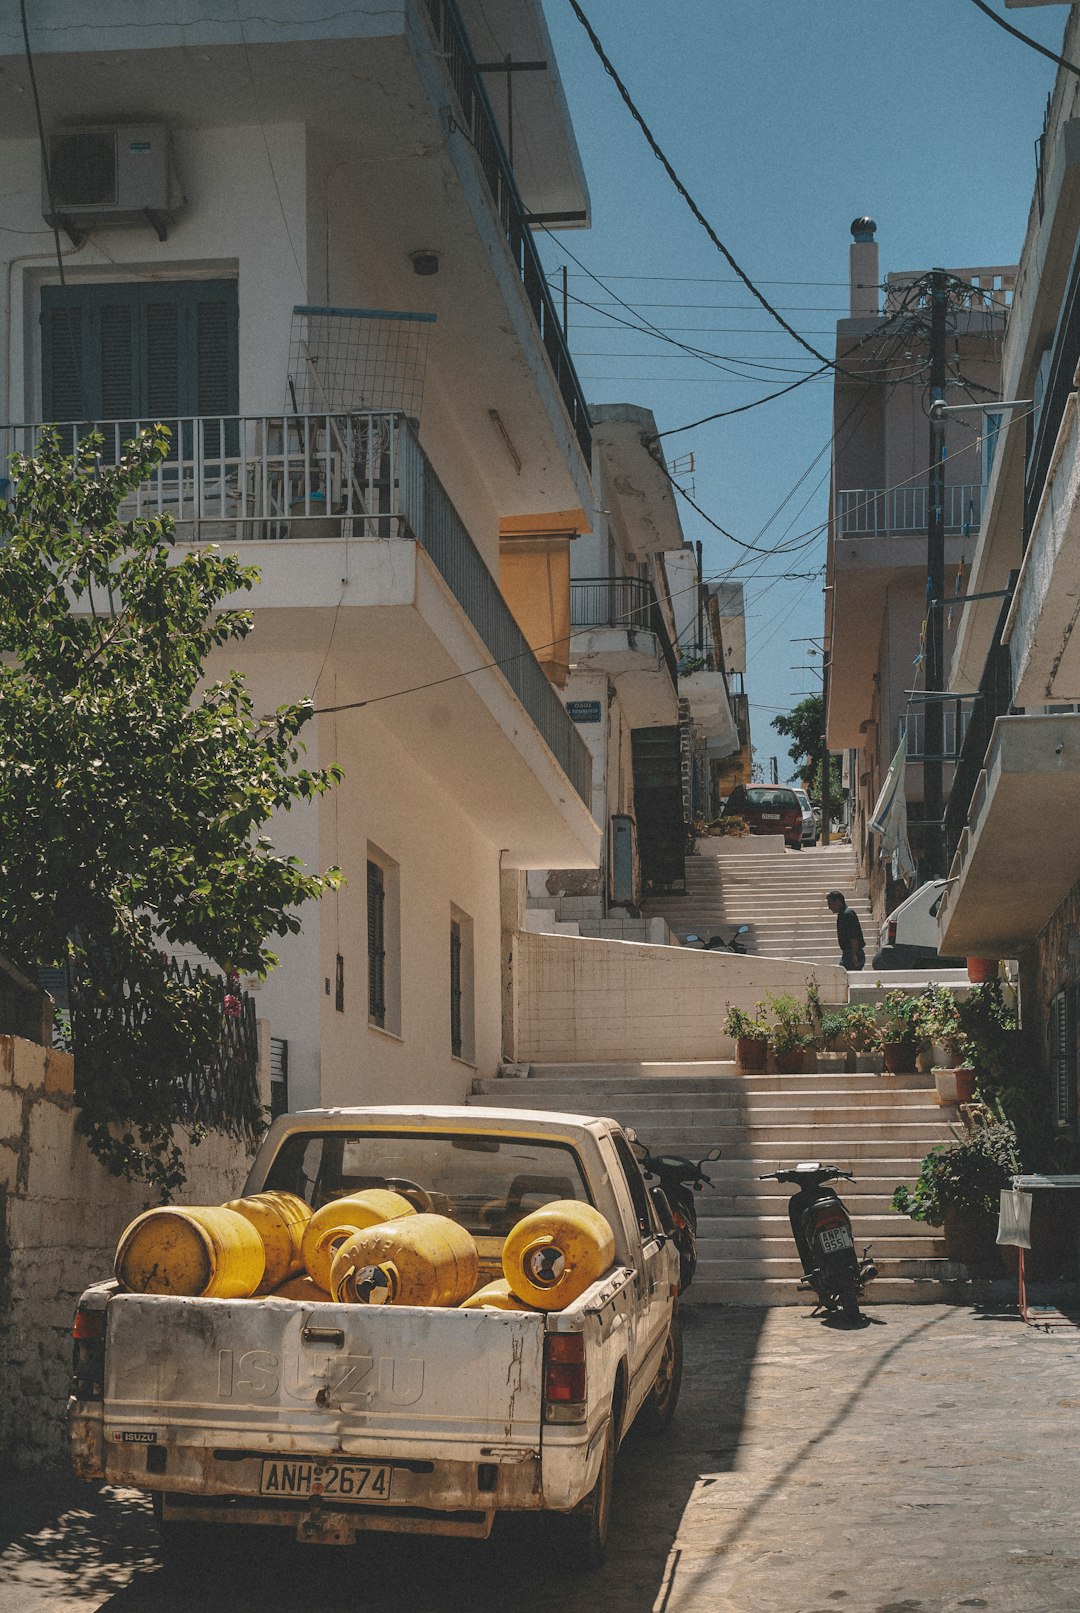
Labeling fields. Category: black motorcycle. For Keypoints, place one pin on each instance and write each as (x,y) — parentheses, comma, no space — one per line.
(822,1230)
(717,943)
(680,1179)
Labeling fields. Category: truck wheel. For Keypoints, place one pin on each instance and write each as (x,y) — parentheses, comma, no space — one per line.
(659,1405)
(588,1525)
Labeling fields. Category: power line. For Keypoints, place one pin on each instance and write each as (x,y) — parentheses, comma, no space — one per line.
(1026,39)
(42,142)
(659,154)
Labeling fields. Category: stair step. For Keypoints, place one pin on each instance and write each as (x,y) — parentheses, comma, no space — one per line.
(882,1291)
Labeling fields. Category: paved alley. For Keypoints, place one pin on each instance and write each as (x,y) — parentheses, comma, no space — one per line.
(927,1463)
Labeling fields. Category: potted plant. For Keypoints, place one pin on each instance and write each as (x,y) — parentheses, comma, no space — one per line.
(751,1033)
(863,1037)
(899,1033)
(791,1045)
(939,1021)
(834,1043)
(958,1190)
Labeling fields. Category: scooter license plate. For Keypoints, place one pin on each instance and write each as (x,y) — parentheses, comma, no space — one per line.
(833,1239)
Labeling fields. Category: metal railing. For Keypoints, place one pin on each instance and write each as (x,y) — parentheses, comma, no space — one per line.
(994,701)
(877,512)
(357,476)
(1061,381)
(914,725)
(628,602)
(482,131)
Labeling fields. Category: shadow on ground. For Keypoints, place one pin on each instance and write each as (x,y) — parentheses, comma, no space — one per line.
(81,1545)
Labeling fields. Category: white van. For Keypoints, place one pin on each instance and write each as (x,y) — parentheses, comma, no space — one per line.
(909,936)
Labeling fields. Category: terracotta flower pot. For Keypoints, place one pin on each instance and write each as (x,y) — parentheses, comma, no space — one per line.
(980,969)
(794,1062)
(899,1056)
(751,1052)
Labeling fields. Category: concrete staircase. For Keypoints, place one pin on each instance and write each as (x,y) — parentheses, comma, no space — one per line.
(878,1127)
(779,893)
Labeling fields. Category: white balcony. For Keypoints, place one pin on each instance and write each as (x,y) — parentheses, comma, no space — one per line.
(358,545)
(617,627)
(1044,649)
(1017,858)
(705,692)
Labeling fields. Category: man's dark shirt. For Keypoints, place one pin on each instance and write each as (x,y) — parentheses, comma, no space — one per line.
(850,937)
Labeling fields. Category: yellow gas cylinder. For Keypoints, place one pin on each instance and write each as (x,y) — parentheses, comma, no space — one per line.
(302,1287)
(426,1260)
(556,1252)
(279,1219)
(204,1251)
(495,1297)
(336,1221)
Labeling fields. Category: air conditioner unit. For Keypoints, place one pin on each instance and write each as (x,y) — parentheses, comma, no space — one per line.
(116,174)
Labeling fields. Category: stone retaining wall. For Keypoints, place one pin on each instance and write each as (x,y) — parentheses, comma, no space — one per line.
(61,1214)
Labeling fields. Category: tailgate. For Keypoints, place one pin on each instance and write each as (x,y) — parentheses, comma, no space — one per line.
(279,1375)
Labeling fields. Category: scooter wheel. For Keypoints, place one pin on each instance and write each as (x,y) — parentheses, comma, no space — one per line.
(849,1303)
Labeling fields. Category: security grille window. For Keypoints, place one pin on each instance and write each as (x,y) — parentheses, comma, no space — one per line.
(162,350)
(376,944)
(455,989)
(279,1077)
(1063,1056)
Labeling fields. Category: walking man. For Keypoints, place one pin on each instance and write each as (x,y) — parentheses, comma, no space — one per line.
(848,932)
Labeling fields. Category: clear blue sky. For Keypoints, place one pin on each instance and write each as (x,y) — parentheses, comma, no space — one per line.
(786,119)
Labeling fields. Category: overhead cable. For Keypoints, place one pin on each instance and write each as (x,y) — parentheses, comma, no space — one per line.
(1026,39)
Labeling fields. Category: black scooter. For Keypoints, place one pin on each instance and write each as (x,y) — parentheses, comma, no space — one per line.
(822,1230)
(680,1179)
(717,943)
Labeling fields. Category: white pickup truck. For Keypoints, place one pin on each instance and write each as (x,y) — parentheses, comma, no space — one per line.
(329,1419)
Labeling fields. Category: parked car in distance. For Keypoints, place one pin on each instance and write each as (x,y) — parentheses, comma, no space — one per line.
(769,809)
(909,936)
(811,824)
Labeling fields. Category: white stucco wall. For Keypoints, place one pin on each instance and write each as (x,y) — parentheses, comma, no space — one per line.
(589,1001)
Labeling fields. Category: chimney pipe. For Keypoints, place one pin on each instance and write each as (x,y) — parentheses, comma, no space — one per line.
(864,273)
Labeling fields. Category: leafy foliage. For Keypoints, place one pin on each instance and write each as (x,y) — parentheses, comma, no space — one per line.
(804,724)
(133,792)
(966,1175)
(741,1023)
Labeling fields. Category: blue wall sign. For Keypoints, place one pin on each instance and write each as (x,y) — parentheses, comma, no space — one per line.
(583,710)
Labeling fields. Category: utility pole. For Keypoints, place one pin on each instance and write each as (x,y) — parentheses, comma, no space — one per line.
(934,681)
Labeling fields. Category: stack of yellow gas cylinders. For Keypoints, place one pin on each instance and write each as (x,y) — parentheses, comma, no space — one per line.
(369,1248)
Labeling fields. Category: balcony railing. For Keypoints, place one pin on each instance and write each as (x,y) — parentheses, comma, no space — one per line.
(482,131)
(881,512)
(914,725)
(235,478)
(1060,383)
(994,701)
(628,602)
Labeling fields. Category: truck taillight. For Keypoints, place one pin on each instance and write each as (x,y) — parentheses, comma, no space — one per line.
(892,933)
(564,1376)
(88,1363)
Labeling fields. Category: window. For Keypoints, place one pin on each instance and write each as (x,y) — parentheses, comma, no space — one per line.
(635,1182)
(384,942)
(146,350)
(376,944)
(461,986)
(455,988)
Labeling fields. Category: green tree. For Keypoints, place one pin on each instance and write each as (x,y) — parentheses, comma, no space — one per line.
(805,725)
(133,792)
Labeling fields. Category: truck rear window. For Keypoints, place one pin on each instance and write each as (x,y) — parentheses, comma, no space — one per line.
(486,1183)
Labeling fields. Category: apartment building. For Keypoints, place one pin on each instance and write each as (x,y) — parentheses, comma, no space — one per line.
(877,573)
(1015,873)
(301,240)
